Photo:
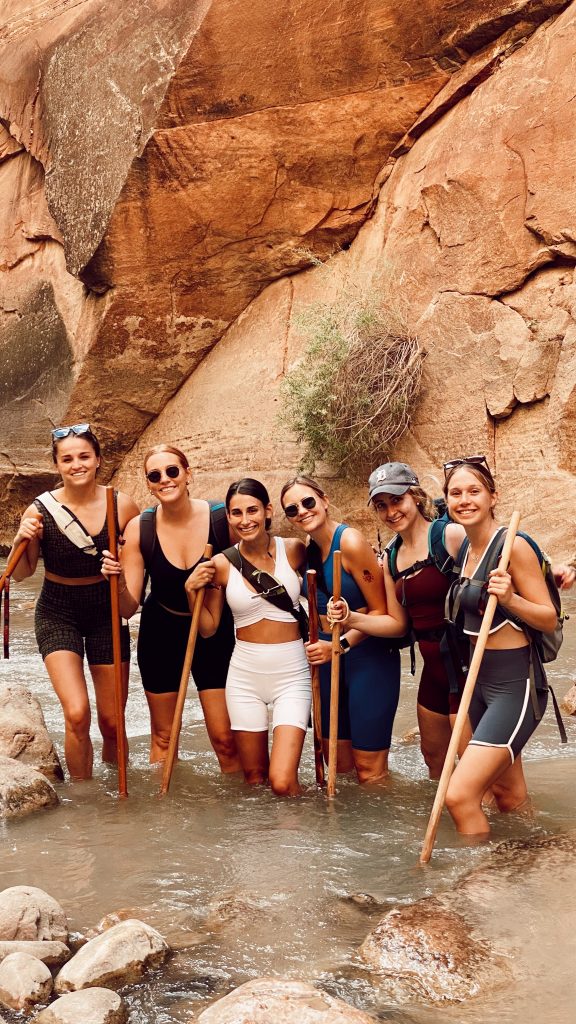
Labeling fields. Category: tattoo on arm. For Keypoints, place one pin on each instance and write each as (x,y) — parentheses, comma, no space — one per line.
(368,576)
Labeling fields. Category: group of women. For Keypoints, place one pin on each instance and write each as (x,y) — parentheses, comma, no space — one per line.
(251,655)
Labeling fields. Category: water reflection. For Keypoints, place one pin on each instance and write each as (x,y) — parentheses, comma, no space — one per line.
(244,884)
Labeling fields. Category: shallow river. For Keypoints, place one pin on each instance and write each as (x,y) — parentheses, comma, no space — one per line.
(248,885)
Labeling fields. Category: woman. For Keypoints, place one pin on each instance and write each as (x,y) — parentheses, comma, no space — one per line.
(370,668)
(268,665)
(182,526)
(414,561)
(73,614)
(502,713)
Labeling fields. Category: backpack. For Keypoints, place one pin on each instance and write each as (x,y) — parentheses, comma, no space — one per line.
(544,647)
(218,526)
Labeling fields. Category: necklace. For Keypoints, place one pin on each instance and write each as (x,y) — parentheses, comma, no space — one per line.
(474,557)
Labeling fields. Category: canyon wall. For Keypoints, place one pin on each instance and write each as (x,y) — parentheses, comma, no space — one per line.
(171,174)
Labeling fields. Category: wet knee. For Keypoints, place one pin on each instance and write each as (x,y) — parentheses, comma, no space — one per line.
(224,746)
(255,776)
(282,785)
(107,726)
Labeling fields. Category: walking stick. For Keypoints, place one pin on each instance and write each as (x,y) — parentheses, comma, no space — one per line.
(316,712)
(462,715)
(5,588)
(13,562)
(116,647)
(183,688)
(334,681)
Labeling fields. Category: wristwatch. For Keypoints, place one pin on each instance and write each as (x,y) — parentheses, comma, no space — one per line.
(344,645)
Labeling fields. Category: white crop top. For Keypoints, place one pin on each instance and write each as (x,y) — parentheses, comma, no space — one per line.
(247,607)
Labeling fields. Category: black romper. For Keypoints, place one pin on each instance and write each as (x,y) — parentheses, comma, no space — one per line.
(163,634)
(71,618)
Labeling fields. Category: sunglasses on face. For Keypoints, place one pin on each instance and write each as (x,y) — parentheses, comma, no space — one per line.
(291,511)
(470,460)
(155,475)
(77,428)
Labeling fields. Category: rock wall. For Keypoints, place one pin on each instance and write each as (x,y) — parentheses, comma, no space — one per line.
(168,193)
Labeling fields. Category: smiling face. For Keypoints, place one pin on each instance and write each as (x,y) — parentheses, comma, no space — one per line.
(470,501)
(164,485)
(76,460)
(309,519)
(397,512)
(247,516)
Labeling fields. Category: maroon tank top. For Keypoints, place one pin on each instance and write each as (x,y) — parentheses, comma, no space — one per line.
(423,596)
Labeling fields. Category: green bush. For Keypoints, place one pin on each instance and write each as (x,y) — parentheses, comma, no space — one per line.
(348,399)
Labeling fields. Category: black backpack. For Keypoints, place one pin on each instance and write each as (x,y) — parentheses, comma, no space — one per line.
(218,527)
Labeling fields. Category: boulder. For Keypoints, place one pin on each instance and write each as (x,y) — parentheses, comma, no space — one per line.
(23,732)
(23,790)
(91,1006)
(24,981)
(29,913)
(427,951)
(53,954)
(120,955)
(281,1001)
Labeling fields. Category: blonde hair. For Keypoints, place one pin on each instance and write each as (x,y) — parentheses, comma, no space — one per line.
(424,503)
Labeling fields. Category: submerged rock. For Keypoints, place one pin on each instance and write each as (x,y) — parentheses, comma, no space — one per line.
(29,913)
(281,1001)
(91,1006)
(53,954)
(23,790)
(117,957)
(23,732)
(426,951)
(24,981)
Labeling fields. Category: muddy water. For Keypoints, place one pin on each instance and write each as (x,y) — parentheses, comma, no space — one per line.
(245,885)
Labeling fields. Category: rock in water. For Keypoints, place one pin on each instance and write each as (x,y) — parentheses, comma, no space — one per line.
(281,1001)
(24,981)
(23,732)
(426,951)
(29,913)
(54,954)
(119,956)
(23,790)
(92,1006)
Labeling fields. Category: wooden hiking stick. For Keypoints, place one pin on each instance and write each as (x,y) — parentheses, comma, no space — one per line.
(5,588)
(116,647)
(13,562)
(462,715)
(316,712)
(334,680)
(183,688)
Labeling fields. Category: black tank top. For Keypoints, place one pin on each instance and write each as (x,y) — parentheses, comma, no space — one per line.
(61,556)
(167,580)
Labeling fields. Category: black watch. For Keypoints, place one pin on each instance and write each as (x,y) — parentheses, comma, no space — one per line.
(344,645)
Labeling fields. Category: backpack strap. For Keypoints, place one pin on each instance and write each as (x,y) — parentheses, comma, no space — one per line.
(68,524)
(219,524)
(442,558)
(147,544)
(391,552)
(264,583)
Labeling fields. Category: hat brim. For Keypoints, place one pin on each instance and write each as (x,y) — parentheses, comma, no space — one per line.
(397,490)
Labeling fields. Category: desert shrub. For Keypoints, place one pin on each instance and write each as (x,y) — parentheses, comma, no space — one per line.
(349,398)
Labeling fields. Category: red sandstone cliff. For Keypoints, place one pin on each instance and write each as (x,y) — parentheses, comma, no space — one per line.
(166,168)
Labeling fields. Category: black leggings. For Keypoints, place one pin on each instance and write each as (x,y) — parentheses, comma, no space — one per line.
(162,646)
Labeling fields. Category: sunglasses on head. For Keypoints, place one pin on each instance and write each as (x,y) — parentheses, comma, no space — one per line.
(77,428)
(155,475)
(291,511)
(470,460)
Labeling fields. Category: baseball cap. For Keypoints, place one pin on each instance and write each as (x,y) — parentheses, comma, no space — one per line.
(391,478)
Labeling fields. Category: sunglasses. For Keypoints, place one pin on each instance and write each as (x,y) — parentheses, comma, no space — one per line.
(155,475)
(77,428)
(470,460)
(291,511)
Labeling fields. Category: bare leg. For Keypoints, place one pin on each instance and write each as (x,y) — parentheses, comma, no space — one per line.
(477,770)
(104,688)
(287,743)
(67,677)
(371,765)
(435,732)
(253,751)
(510,790)
(162,707)
(344,756)
(219,732)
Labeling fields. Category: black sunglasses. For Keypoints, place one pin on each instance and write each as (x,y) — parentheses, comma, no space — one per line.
(291,511)
(155,475)
(470,460)
(77,428)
